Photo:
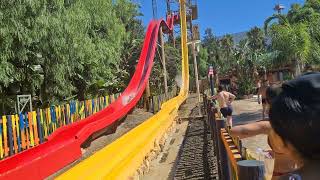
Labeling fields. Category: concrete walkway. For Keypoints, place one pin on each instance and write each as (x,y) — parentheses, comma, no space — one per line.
(248,111)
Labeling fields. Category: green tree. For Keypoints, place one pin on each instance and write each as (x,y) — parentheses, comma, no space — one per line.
(245,67)
(256,39)
(128,13)
(211,44)
(291,40)
(226,51)
(203,61)
(255,47)
(55,48)
(23,28)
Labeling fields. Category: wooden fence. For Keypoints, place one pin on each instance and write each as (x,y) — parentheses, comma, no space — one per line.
(232,158)
(22,131)
(19,132)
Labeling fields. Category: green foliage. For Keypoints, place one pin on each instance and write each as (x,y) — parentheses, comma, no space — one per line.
(247,60)
(295,37)
(173,66)
(127,12)
(256,39)
(293,41)
(203,62)
(220,52)
(211,44)
(57,48)
(227,52)
(241,60)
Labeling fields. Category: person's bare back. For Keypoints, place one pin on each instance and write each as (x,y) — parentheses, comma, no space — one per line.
(225,98)
(262,91)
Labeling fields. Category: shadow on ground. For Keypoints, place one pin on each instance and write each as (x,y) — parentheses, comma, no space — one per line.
(247,117)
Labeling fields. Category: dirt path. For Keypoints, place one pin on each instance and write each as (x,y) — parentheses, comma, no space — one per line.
(188,152)
(132,120)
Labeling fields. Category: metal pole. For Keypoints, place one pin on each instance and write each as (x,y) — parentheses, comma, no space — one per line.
(184,49)
(195,64)
(164,63)
(211,85)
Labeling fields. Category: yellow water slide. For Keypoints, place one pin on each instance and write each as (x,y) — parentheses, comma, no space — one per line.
(120,159)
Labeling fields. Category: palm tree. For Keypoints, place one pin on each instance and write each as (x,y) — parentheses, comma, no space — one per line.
(291,40)
(226,52)
(256,39)
(282,20)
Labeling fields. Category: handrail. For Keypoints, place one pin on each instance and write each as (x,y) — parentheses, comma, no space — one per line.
(233,153)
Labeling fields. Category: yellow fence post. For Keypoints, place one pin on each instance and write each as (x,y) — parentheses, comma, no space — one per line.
(14,135)
(5,136)
(31,128)
(18,132)
(36,136)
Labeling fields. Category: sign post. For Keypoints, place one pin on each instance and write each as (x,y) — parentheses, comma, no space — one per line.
(211,74)
(23,101)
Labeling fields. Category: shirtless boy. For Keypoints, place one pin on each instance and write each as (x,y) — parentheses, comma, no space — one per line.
(262,92)
(225,99)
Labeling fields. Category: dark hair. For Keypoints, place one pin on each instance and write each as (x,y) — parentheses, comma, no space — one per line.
(272,92)
(295,114)
(220,88)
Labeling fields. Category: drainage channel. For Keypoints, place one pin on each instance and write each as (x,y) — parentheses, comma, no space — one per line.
(196,158)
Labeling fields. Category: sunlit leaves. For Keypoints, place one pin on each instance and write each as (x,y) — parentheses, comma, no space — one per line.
(77,44)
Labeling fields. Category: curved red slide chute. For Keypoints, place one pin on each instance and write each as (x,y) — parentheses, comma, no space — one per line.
(63,146)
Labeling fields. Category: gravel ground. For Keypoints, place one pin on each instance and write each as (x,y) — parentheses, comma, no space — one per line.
(196,159)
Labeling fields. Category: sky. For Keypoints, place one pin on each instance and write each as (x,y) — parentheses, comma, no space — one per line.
(223,16)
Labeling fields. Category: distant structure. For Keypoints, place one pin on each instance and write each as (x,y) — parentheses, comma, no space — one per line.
(154,9)
(278,8)
(192,14)
(169,6)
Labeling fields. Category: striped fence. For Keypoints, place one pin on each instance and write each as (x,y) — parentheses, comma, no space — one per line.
(22,131)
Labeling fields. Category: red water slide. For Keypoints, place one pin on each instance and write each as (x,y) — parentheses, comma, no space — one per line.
(63,146)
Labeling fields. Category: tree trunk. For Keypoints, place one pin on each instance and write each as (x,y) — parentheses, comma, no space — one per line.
(81,94)
(147,96)
(296,67)
(164,64)
(43,88)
